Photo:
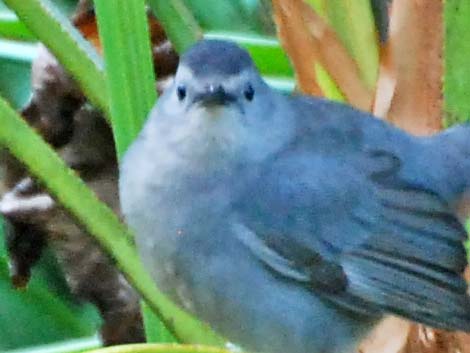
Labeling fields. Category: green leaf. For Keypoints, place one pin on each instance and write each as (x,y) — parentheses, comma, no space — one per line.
(355,25)
(328,86)
(318,6)
(155,331)
(457,68)
(180,25)
(11,27)
(76,54)
(24,313)
(130,79)
(98,219)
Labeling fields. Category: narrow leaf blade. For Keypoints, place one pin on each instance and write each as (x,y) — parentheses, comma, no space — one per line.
(354,23)
(98,220)
(180,25)
(76,54)
(130,79)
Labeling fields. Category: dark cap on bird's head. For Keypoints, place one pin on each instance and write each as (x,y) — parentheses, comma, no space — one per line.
(218,57)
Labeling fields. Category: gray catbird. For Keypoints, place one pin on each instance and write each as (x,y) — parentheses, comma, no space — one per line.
(292,223)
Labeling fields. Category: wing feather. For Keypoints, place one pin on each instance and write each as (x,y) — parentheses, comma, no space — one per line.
(364,238)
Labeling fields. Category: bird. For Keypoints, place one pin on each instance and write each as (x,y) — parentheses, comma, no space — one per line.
(291,223)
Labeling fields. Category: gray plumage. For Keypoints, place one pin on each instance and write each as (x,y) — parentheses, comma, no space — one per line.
(217,57)
(293,224)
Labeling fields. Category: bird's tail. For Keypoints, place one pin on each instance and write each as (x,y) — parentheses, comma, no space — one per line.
(458,136)
(450,151)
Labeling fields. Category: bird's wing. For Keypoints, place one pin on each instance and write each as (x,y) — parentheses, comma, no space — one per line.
(357,233)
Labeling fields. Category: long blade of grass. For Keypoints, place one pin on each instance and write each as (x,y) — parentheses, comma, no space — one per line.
(130,79)
(97,219)
(76,54)
(338,63)
(155,330)
(11,27)
(180,25)
(354,23)
(457,69)
(322,64)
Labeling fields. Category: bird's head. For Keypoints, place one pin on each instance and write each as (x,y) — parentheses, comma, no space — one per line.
(218,96)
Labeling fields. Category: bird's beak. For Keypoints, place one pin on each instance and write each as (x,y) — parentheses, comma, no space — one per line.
(214,96)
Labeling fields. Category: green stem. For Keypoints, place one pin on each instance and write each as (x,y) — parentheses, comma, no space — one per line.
(457,69)
(11,27)
(180,25)
(355,25)
(71,49)
(97,219)
(125,39)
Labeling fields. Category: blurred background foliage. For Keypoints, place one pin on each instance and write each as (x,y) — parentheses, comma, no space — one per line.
(45,312)
(17,51)
(376,57)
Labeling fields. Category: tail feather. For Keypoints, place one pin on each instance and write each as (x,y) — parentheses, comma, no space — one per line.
(457,136)
(450,151)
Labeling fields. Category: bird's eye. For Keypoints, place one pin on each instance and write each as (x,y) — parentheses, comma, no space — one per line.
(249,92)
(181,92)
